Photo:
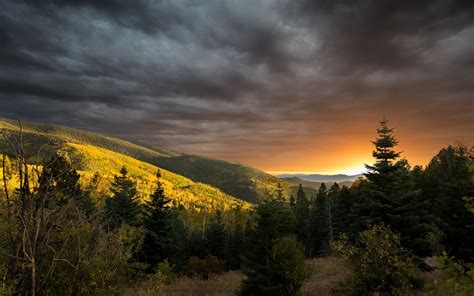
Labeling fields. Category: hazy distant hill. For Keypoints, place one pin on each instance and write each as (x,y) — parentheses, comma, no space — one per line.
(296,181)
(322,178)
(234,179)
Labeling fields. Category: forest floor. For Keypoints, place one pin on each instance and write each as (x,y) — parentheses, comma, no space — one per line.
(326,276)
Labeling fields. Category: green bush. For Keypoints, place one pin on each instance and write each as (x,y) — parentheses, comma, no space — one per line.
(289,265)
(165,269)
(458,277)
(379,265)
(273,260)
(164,275)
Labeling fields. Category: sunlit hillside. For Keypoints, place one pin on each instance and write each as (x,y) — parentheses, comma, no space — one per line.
(194,196)
(87,152)
(183,191)
(51,134)
(90,160)
(238,180)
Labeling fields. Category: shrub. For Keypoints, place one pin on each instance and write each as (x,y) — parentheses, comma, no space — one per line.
(165,270)
(289,264)
(273,260)
(204,268)
(285,273)
(458,277)
(164,275)
(379,265)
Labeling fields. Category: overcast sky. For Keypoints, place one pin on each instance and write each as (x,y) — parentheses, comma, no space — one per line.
(280,85)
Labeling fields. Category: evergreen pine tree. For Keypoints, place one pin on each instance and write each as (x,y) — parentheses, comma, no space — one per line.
(275,220)
(448,182)
(216,237)
(196,244)
(301,210)
(333,195)
(162,237)
(319,226)
(123,206)
(342,206)
(392,198)
(235,247)
(381,174)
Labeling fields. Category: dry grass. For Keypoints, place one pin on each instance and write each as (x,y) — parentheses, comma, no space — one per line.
(326,275)
(225,284)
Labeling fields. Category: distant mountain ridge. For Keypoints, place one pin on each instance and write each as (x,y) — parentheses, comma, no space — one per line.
(311,184)
(322,178)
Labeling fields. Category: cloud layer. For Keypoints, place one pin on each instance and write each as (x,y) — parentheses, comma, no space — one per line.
(282,85)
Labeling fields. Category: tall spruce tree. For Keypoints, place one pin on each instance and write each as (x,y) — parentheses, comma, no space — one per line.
(235,247)
(333,195)
(319,225)
(266,272)
(301,210)
(342,205)
(162,232)
(392,198)
(448,182)
(196,244)
(122,206)
(216,237)
(382,173)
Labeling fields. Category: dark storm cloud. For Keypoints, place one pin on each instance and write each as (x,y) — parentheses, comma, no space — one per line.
(215,76)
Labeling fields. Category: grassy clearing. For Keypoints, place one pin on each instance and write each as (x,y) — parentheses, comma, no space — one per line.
(225,284)
(326,275)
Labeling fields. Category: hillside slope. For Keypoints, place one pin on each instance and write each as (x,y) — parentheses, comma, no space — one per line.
(54,134)
(183,191)
(97,167)
(240,181)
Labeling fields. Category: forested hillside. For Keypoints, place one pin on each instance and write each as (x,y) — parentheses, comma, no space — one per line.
(42,141)
(240,181)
